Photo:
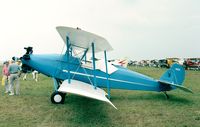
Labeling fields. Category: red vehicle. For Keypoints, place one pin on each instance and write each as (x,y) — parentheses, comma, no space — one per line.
(192,63)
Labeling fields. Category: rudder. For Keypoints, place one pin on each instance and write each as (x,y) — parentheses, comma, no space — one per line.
(174,75)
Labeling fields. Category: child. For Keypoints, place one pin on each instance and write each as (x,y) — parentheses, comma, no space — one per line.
(5,74)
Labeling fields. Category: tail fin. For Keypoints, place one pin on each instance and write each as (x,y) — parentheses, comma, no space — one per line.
(173,78)
(175,75)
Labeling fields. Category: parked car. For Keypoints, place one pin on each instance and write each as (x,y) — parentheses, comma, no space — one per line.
(154,63)
(163,63)
(171,61)
(132,63)
(192,63)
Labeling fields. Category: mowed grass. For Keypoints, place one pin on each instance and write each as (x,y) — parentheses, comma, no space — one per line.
(33,108)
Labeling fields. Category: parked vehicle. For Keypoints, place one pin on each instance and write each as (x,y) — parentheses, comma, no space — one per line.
(133,63)
(171,61)
(163,63)
(154,63)
(192,64)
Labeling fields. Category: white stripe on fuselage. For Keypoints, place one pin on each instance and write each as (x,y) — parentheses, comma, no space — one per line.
(117,80)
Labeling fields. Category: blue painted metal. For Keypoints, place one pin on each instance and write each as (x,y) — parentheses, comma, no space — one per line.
(71,51)
(68,59)
(84,55)
(120,79)
(94,66)
(107,75)
(175,74)
(55,84)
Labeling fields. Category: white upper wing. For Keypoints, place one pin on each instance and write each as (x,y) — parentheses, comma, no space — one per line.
(84,39)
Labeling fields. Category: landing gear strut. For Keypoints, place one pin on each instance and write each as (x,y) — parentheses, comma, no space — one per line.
(58,97)
(167,96)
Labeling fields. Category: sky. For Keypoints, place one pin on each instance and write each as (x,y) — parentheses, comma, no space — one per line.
(136,29)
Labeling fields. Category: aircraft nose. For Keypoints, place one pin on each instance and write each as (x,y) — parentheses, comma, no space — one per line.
(29,50)
(26,56)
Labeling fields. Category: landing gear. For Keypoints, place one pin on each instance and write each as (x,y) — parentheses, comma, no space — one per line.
(167,96)
(58,97)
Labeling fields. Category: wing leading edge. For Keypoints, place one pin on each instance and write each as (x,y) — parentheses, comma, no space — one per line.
(84,39)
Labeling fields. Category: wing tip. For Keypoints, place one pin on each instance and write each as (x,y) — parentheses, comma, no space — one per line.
(108,101)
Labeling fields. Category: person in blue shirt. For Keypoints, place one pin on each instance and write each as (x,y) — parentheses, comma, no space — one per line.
(14,71)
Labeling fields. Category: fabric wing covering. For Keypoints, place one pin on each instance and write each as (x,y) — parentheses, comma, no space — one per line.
(83,39)
(84,89)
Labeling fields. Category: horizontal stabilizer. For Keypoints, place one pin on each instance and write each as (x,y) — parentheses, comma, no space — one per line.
(84,89)
(176,85)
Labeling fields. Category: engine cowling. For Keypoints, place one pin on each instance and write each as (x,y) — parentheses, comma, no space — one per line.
(26,68)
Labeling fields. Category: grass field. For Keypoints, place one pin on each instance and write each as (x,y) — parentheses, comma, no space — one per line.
(33,107)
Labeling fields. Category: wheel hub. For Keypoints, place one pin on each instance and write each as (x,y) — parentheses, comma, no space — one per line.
(57,98)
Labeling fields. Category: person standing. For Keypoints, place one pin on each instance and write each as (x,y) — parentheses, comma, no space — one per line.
(5,77)
(14,70)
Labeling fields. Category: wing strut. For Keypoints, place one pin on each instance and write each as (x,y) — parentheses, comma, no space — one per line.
(68,53)
(107,75)
(94,66)
(84,55)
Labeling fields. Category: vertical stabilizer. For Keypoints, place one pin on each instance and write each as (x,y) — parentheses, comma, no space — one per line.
(175,75)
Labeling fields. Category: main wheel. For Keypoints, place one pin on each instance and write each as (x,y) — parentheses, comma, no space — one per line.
(58,97)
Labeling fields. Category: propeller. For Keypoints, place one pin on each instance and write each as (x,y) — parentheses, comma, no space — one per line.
(26,56)
(29,50)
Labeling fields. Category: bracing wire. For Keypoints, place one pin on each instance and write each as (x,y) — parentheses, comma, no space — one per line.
(83,68)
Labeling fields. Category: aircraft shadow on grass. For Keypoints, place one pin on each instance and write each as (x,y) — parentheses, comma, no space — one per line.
(88,111)
(153,96)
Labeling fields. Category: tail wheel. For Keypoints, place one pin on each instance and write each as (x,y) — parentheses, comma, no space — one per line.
(167,96)
(58,97)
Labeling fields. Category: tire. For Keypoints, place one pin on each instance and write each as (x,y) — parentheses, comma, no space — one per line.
(58,97)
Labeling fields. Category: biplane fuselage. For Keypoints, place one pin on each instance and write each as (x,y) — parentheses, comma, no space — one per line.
(56,66)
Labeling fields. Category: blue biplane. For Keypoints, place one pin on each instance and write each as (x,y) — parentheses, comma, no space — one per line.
(73,73)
